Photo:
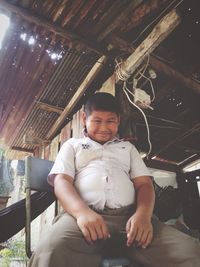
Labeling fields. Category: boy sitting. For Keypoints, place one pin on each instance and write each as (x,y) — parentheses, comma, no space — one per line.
(107,195)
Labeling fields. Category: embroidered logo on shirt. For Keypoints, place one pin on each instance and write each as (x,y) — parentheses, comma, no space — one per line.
(85,146)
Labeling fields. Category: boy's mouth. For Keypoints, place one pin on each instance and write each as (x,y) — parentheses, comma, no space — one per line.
(104,134)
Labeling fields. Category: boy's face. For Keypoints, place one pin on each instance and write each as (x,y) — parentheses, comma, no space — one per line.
(101,126)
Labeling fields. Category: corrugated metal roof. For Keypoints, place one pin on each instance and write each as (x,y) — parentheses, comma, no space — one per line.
(37,67)
(25,70)
(58,92)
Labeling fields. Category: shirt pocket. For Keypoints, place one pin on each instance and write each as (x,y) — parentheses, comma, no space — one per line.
(121,159)
(84,157)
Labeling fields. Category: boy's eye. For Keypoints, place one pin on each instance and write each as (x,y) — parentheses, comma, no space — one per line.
(107,122)
(112,122)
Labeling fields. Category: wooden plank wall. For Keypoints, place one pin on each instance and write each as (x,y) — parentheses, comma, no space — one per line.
(72,129)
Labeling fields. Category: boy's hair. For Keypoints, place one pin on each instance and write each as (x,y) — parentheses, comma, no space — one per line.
(101,102)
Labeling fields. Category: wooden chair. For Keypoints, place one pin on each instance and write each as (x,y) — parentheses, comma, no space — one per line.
(36,171)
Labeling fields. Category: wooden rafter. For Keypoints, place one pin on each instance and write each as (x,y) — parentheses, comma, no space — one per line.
(22,149)
(173,74)
(65,34)
(77,96)
(160,164)
(180,138)
(34,141)
(117,22)
(158,34)
(190,159)
(179,77)
(159,66)
(49,108)
(135,17)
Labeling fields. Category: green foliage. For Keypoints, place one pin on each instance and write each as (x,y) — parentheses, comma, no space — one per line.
(6,253)
(16,249)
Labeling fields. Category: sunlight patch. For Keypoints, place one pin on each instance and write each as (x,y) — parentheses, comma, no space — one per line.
(4,22)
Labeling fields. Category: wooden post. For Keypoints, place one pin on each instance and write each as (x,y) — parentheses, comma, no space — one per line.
(109,86)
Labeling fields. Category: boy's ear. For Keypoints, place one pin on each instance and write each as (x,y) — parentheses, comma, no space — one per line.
(83,118)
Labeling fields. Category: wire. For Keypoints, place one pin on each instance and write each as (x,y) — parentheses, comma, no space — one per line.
(152,88)
(157,19)
(145,67)
(145,119)
(123,75)
(163,59)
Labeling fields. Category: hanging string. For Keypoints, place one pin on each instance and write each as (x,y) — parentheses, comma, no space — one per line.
(124,75)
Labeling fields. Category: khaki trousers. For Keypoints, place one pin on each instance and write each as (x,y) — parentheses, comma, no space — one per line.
(64,245)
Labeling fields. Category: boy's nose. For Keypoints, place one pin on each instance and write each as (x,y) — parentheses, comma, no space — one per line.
(103,126)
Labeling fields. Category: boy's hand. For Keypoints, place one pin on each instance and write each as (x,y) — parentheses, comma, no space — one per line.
(139,230)
(92,226)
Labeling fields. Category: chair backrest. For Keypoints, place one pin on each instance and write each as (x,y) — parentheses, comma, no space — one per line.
(36,171)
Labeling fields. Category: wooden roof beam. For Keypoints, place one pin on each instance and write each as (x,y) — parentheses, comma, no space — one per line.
(166,25)
(180,138)
(161,164)
(22,149)
(49,108)
(177,76)
(137,15)
(34,141)
(159,65)
(76,97)
(65,34)
(169,71)
(118,21)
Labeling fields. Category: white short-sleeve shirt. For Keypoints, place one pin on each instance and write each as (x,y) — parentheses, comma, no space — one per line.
(102,173)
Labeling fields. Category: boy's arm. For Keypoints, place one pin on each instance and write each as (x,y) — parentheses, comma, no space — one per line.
(90,223)
(139,227)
